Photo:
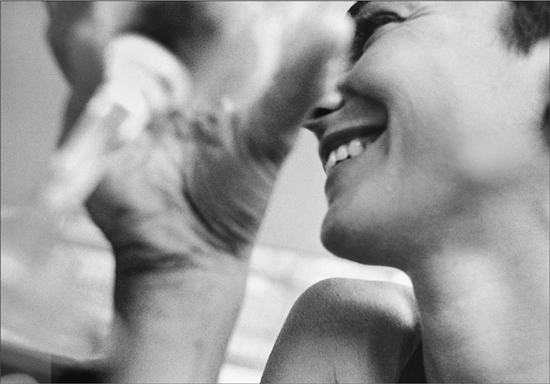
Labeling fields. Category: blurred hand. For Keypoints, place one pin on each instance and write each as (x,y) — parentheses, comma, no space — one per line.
(218,165)
(183,207)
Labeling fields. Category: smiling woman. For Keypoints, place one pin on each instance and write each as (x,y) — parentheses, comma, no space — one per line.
(454,192)
(435,164)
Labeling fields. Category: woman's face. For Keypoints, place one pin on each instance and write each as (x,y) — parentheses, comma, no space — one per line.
(435,109)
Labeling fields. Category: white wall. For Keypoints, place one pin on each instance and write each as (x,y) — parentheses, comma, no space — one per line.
(32,98)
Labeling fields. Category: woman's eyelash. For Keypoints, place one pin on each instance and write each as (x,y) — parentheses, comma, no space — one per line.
(366,26)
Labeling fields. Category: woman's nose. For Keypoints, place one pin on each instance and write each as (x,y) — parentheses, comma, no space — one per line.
(330,103)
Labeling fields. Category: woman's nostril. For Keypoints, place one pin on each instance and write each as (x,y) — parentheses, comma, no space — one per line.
(315,118)
(317,113)
(330,103)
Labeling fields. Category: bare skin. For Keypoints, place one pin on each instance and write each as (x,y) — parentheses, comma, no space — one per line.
(348,331)
(453,190)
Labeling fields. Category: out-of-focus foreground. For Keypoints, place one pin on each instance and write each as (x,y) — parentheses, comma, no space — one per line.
(61,314)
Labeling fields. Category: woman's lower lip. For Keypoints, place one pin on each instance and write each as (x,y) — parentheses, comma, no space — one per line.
(346,171)
(329,171)
(333,184)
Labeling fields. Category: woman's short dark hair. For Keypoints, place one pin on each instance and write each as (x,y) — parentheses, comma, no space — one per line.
(527,24)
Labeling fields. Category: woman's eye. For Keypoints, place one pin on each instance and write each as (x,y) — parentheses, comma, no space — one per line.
(366,26)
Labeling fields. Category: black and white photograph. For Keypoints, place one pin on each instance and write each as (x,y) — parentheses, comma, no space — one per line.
(275,192)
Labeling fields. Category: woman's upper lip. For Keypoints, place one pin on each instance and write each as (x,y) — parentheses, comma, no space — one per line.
(334,139)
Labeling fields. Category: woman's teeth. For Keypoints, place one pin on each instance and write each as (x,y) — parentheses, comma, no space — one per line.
(345,151)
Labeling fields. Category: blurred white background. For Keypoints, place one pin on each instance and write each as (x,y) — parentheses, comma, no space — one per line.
(288,259)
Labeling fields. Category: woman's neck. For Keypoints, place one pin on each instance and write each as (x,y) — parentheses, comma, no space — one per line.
(484,295)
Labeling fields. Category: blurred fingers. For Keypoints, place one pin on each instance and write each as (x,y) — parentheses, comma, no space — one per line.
(318,43)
